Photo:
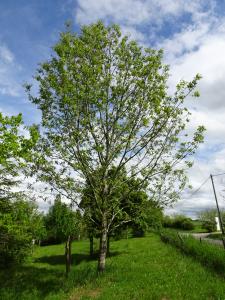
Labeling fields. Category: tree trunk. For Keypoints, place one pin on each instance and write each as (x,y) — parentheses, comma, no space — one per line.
(91,245)
(68,255)
(103,246)
(108,244)
(70,250)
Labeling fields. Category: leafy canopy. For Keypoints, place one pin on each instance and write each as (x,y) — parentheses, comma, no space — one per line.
(104,104)
(15,151)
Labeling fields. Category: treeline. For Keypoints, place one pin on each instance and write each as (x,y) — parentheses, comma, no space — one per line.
(206,221)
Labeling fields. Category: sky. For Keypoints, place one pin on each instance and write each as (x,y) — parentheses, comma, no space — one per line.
(191,33)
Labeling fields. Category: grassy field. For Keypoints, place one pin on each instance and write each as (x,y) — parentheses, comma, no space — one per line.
(143,268)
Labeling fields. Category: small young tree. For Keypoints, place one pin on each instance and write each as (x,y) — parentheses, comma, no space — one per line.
(104,103)
(63,224)
(208,219)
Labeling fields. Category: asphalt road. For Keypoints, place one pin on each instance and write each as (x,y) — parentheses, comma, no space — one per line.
(205,237)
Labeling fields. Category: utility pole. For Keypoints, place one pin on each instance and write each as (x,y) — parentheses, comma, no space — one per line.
(217,205)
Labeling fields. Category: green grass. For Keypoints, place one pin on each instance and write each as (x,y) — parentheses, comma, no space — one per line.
(208,254)
(216,236)
(143,268)
(198,227)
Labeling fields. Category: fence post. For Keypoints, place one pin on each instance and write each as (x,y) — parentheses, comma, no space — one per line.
(223,242)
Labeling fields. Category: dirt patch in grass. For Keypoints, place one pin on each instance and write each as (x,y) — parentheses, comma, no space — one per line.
(85,292)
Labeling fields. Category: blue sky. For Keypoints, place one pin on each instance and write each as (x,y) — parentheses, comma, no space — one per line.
(192,34)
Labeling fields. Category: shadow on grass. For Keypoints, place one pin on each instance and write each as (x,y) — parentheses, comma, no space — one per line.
(28,280)
(76,258)
(36,282)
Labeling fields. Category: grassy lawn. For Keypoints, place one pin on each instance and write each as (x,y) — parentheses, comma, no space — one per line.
(143,268)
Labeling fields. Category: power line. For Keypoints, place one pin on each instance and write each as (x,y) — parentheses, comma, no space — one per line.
(218,174)
(204,182)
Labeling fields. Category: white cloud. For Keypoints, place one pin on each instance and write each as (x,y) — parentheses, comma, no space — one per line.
(9,71)
(152,14)
(131,12)
(5,54)
(197,45)
(201,50)
(192,203)
(135,12)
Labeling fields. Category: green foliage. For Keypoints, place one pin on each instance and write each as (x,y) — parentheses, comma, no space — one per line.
(210,226)
(20,223)
(208,219)
(19,219)
(15,151)
(137,210)
(61,222)
(105,104)
(178,222)
(209,255)
(187,224)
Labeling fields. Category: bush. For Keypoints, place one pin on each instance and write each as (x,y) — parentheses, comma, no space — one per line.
(178,222)
(187,225)
(167,222)
(20,223)
(210,226)
(209,255)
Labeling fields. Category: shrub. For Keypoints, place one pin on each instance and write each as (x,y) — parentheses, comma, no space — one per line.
(187,225)
(167,222)
(209,255)
(178,222)
(20,223)
(210,226)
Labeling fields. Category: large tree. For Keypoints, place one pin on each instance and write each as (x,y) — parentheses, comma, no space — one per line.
(104,103)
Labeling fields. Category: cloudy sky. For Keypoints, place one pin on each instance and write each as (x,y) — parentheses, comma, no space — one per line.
(192,34)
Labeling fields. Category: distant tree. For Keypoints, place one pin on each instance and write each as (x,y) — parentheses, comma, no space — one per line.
(150,217)
(104,103)
(208,219)
(63,224)
(178,221)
